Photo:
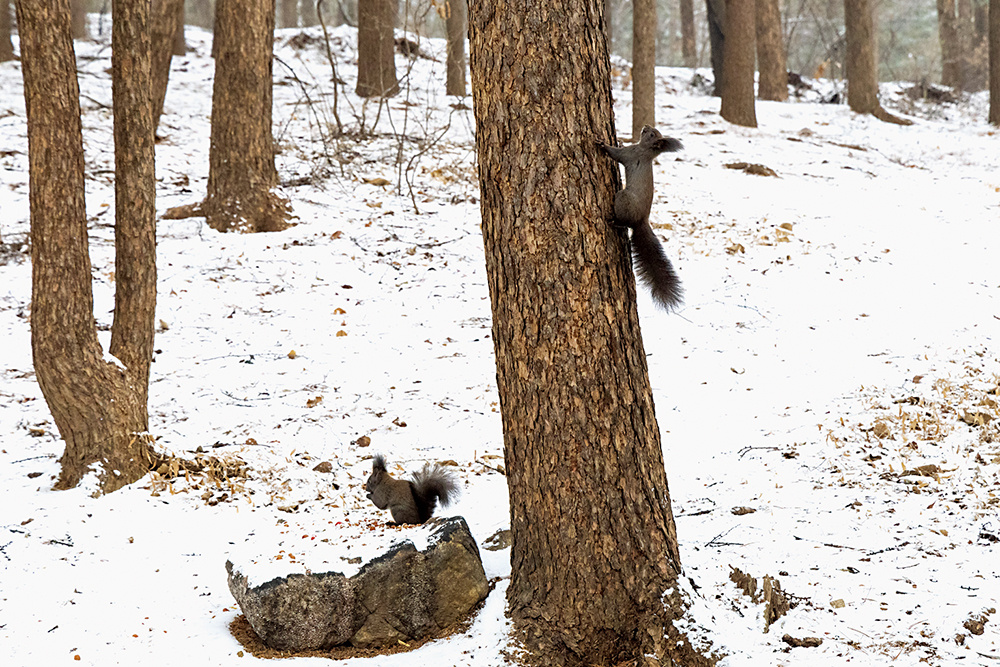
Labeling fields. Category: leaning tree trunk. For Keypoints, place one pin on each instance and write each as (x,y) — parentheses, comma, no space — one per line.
(456,25)
(862,83)
(738,64)
(241,173)
(165,22)
(773,83)
(689,50)
(377,48)
(594,562)
(6,45)
(98,403)
(994,38)
(644,34)
(951,56)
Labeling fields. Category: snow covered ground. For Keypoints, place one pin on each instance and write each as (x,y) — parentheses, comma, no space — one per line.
(834,370)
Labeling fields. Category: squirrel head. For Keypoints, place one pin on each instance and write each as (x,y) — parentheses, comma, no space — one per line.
(656,142)
(378,476)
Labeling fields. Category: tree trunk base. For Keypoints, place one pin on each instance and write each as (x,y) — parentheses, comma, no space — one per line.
(123,459)
(263,213)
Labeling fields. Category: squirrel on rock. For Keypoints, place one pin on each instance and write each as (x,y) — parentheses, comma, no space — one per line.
(410,501)
(632,206)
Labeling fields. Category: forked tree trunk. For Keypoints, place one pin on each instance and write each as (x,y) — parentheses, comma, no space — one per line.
(377,48)
(951,56)
(98,405)
(862,81)
(164,25)
(738,64)
(771,62)
(689,49)
(241,173)
(644,34)
(456,24)
(594,561)
(6,45)
(994,117)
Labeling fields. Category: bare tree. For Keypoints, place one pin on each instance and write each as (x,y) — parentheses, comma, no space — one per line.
(716,13)
(862,83)
(456,25)
(164,23)
(951,57)
(98,402)
(241,175)
(644,31)
(689,50)
(6,46)
(994,22)
(594,562)
(180,44)
(738,64)
(289,10)
(377,48)
(771,61)
(78,13)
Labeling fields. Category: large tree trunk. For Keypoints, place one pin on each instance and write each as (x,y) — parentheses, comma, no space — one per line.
(594,562)
(456,25)
(994,116)
(738,64)
(241,173)
(644,32)
(771,63)
(862,82)
(716,12)
(951,56)
(6,45)
(97,403)
(689,50)
(377,48)
(164,25)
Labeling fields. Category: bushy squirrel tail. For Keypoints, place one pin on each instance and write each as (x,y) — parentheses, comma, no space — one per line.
(431,485)
(654,267)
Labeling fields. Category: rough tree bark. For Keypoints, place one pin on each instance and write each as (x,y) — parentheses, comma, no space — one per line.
(771,62)
(377,48)
(862,82)
(456,25)
(594,562)
(241,173)
(738,64)
(644,32)
(6,45)
(951,57)
(716,13)
(689,49)
(164,24)
(994,117)
(98,403)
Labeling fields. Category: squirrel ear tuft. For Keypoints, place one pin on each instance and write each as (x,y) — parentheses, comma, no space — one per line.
(378,463)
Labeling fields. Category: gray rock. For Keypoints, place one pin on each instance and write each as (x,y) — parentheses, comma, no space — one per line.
(402,595)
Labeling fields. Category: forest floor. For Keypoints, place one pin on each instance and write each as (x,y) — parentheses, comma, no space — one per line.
(827,396)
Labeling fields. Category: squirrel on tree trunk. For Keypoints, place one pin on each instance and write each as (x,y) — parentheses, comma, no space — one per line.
(410,501)
(632,206)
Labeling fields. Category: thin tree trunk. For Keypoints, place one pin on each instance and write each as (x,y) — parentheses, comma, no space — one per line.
(738,64)
(456,25)
(951,58)
(180,44)
(96,402)
(78,12)
(6,45)
(994,117)
(716,11)
(241,173)
(771,62)
(689,49)
(594,561)
(289,13)
(862,82)
(644,31)
(377,48)
(164,25)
